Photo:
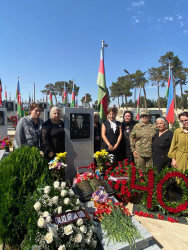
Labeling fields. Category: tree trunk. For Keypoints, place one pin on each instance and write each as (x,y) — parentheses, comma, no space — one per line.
(126,102)
(118,102)
(181,97)
(158,97)
(145,102)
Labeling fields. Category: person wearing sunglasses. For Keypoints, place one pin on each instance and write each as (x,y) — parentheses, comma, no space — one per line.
(179,147)
(28,129)
(141,141)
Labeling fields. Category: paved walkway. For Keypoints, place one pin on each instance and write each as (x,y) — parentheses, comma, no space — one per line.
(169,236)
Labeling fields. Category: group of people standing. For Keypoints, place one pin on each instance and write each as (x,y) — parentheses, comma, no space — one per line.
(48,136)
(143,143)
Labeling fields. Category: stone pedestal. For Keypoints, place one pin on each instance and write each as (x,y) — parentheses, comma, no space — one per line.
(79,142)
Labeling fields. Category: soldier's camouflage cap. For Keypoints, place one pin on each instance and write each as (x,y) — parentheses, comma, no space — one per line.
(144,112)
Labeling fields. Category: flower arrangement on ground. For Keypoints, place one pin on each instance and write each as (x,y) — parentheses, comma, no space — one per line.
(100,196)
(5,143)
(82,177)
(116,222)
(103,159)
(57,166)
(58,221)
(118,176)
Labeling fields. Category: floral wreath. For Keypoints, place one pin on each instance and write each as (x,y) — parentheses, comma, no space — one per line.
(58,221)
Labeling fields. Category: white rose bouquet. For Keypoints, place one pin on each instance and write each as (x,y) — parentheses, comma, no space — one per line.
(47,231)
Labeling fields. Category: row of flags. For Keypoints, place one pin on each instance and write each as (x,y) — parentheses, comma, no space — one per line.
(102,94)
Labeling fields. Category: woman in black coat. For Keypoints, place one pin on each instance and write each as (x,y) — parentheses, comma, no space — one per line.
(161,145)
(112,134)
(127,126)
(53,134)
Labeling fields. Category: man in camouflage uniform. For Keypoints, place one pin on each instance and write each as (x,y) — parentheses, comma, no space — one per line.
(141,141)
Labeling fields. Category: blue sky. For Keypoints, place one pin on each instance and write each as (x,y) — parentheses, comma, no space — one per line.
(46,41)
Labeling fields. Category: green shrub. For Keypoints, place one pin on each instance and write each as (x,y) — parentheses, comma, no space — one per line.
(20,174)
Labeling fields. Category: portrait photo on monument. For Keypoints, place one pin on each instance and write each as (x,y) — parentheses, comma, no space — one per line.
(79,125)
(9,106)
(2,118)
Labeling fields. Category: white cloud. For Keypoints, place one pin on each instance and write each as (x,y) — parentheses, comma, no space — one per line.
(185,31)
(137,4)
(179,17)
(137,20)
(128,9)
(168,18)
(181,24)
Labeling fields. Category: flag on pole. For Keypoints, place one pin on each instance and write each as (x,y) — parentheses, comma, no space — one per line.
(138,105)
(76,97)
(43,99)
(50,97)
(19,103)
(168,85)
(5,94)
(73,97)
(1,92)
(65,95)
(170,102)
(102,90)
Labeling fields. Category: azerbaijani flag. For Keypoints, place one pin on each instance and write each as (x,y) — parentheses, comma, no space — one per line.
(19,103)
(0,92)
(50,97)
(138,104)
(5,94)
(76,100)
(102,90)
(170,102)
(65,95)
(73,97)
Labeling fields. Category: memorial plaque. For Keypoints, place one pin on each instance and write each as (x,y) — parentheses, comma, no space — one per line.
(3,123)
(79,126)
(79,150)
(46,114)
(155,114)
(44,105)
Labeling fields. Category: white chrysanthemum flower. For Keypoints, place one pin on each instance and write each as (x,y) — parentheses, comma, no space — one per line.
(35,247)
(79,222)
(45,214)
(78,238)
(64,193)
(48,219)
(77,202)
(55,199)
(63,184)
(66,201)
(56,184)
(41,222)
(62,247)
(93,243)
(48,238)
(59,210)
(47,189)
(37,206)
(71,193)
(68,229)
(83,229)
(87,240)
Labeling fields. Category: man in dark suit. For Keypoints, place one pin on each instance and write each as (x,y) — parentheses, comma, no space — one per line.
(80,130)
